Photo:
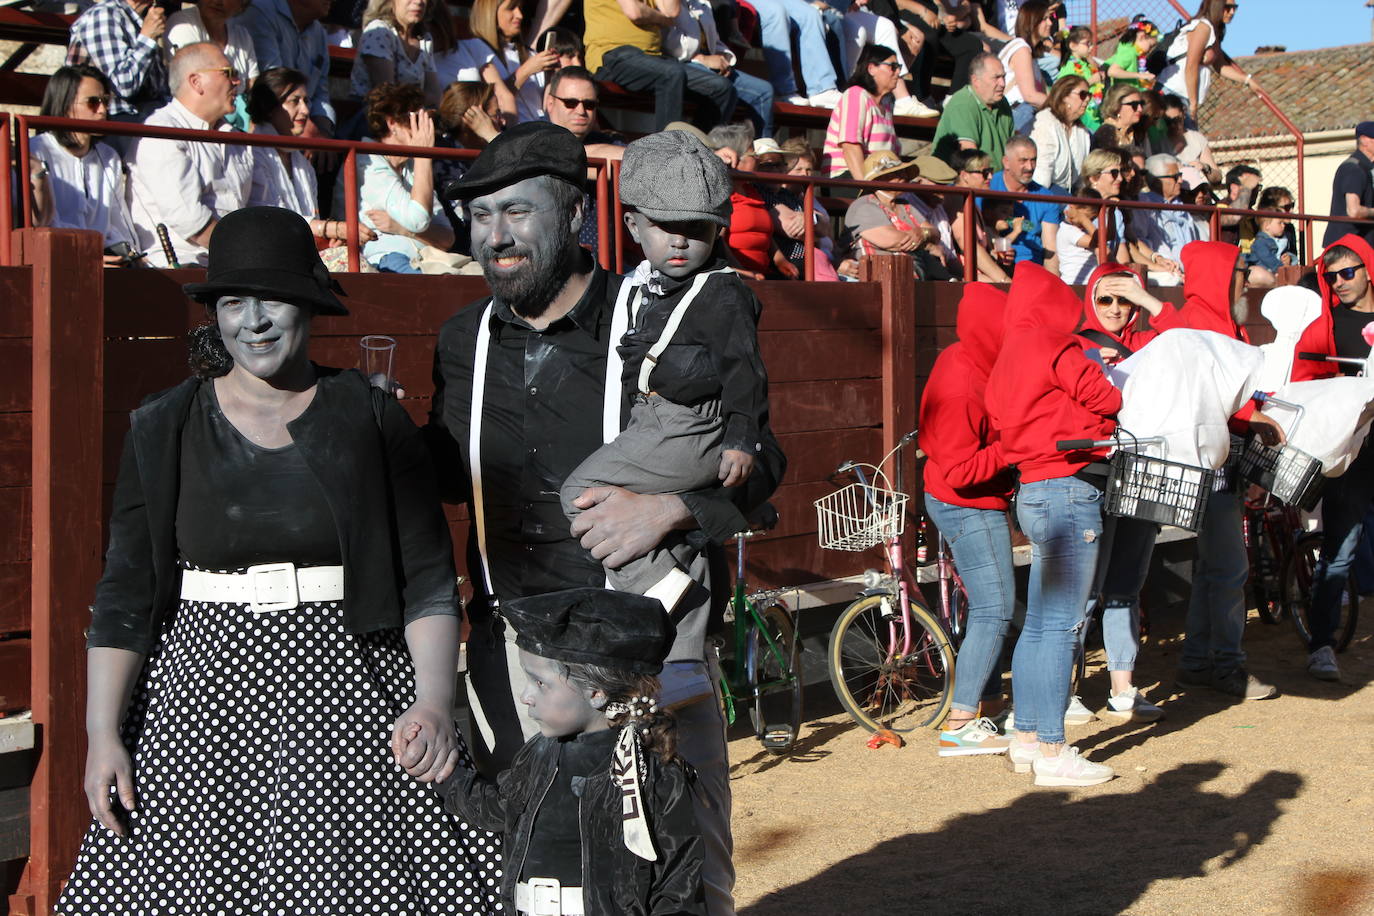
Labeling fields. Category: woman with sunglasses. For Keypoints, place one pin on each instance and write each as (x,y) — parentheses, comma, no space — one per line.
(213,21)
(78,183)
(1104,171)
(861,123)
(1196,51)
(1123,111)
(973,169)
(1062,143)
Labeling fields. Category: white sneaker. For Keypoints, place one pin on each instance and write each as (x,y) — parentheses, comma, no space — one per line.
(1132,706)
(1322,665)
(1070,768)
(1021,756)
(798,100)
(1077,713)
(911,107)
(827,99)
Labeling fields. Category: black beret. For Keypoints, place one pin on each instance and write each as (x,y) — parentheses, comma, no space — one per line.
(594,626)
(523,151)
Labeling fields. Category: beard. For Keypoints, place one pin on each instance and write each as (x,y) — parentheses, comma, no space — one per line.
(532,288)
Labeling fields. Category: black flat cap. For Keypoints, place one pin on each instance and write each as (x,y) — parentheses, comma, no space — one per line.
(595,626)
(523,151)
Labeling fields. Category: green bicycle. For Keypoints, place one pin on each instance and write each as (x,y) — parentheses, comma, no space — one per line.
(764,670)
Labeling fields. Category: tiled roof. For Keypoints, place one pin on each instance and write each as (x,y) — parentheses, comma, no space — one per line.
(1327,89)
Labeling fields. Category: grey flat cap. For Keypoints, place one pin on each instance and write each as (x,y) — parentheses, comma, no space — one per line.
(672,177)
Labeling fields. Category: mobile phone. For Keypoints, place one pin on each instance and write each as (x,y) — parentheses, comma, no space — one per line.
(547,43)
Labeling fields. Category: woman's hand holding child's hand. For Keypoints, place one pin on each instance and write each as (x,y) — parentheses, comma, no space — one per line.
(423,742)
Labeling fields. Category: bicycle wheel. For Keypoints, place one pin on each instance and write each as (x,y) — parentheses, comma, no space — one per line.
(774,673)
(1265,585)
(1299,571)
(883,690)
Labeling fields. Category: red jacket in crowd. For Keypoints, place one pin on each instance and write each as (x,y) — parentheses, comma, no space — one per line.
(1320,336)
(1132,338)
(1043,388)
(964,462)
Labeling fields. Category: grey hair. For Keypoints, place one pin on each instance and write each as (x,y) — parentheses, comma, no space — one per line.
(980,63)
(188,60)
(1157,163)
(738,137)
(1019,140)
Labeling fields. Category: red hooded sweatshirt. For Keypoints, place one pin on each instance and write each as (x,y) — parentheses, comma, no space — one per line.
(1131,337)
(1208,274)
(1042,388)
(1320,336)
(964,463)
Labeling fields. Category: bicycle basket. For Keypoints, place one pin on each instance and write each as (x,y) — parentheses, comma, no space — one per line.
(1293,476)
(859,516)
(1158,490)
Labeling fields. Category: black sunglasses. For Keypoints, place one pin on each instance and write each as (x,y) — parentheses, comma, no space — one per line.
(1105,301)
(1230,6)
(1345,273)
(1115,173)
(570,104)
(1083,94)
(1137,104)
(986,173)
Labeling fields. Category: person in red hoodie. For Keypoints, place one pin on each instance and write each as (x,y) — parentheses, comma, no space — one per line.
(1343,278)
(1043,389)
(1212,657)
(968,488)
(1113,301)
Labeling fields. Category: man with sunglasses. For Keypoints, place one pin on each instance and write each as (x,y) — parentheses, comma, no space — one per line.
(184,184)
(1343,279)
(1161,234)
(1352,190)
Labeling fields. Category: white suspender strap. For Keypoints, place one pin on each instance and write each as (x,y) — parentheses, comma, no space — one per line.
(620,323)
(479,385)
(646,368)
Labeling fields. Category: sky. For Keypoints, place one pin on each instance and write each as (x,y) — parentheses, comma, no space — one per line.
(1299,26)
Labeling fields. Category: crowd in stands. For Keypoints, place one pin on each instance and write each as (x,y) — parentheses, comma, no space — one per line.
(1030,108)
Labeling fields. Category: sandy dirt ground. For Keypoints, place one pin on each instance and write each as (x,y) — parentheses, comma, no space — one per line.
(1222,807)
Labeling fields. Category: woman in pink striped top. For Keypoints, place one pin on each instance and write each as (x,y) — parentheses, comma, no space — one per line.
(862,123)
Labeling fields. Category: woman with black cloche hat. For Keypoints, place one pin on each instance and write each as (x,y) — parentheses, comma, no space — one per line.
(278,604)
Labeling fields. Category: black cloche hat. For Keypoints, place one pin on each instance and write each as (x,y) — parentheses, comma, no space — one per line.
(523,151)
(595,626)
(270,252)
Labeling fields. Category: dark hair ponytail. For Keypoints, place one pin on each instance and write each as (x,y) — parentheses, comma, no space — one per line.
(208,357)
(657,728)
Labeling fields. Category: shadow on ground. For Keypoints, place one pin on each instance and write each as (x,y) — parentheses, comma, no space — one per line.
(1052,852)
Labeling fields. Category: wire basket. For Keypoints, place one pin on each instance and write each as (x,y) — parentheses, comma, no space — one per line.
(1292,476)
(1158,490)
(860,516)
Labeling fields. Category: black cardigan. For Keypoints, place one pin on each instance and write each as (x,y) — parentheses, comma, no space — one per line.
(376,476)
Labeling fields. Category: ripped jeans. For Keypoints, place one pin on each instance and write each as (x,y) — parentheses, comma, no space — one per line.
(1063,519)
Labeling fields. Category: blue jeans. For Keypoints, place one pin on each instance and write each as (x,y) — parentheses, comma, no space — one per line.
(670,80)
(754,94)
(980,540)
(776,17)
(1023,118)
(393,262)
(1345,505)
(1216,608)
(1131,544)
(1063,519)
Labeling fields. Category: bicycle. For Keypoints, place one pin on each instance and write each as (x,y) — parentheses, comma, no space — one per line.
(1270,529)
(765,669)
(891,661)
(951,596)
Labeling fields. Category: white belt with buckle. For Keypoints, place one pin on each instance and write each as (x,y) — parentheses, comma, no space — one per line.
(546,897)
(265,588)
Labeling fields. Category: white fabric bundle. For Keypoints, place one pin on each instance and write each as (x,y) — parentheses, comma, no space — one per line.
(1335,419)
(1184,386)
(1290,309)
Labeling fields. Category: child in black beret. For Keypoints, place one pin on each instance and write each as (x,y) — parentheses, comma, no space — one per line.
(596,810)
(691,353)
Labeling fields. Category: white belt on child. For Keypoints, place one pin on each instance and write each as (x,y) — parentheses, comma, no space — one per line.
(546,897)
(265,588)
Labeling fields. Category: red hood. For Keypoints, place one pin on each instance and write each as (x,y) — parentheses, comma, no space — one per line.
(1208,271)
(1320,336)
(1090,320)
(1039,299)
(981,323)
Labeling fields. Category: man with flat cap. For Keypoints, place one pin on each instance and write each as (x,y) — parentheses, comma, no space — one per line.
(527,385)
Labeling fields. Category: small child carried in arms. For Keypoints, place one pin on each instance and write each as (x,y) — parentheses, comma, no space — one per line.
(692,367)
(596,810)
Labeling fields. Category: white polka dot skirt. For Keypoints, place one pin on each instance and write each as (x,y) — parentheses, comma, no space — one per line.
(266,786)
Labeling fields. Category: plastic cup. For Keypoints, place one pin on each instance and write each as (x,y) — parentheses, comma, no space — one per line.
(378,353)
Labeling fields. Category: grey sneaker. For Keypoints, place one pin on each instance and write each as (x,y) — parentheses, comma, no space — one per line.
(1243,685)
(1322,665)
(1077,713)
(1190,679)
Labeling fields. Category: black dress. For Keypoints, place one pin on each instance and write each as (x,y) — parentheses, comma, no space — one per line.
(260,741)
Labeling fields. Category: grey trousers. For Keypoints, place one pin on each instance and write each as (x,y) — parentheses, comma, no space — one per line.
(666,448)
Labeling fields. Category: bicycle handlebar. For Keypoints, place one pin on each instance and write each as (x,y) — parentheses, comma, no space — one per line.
(1075,445)
(1343,360)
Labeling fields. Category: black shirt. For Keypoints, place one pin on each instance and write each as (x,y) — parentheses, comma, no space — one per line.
(240,504)
(1346,327)
(542,415)
(1353,176)
(714,354)
(555,849)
